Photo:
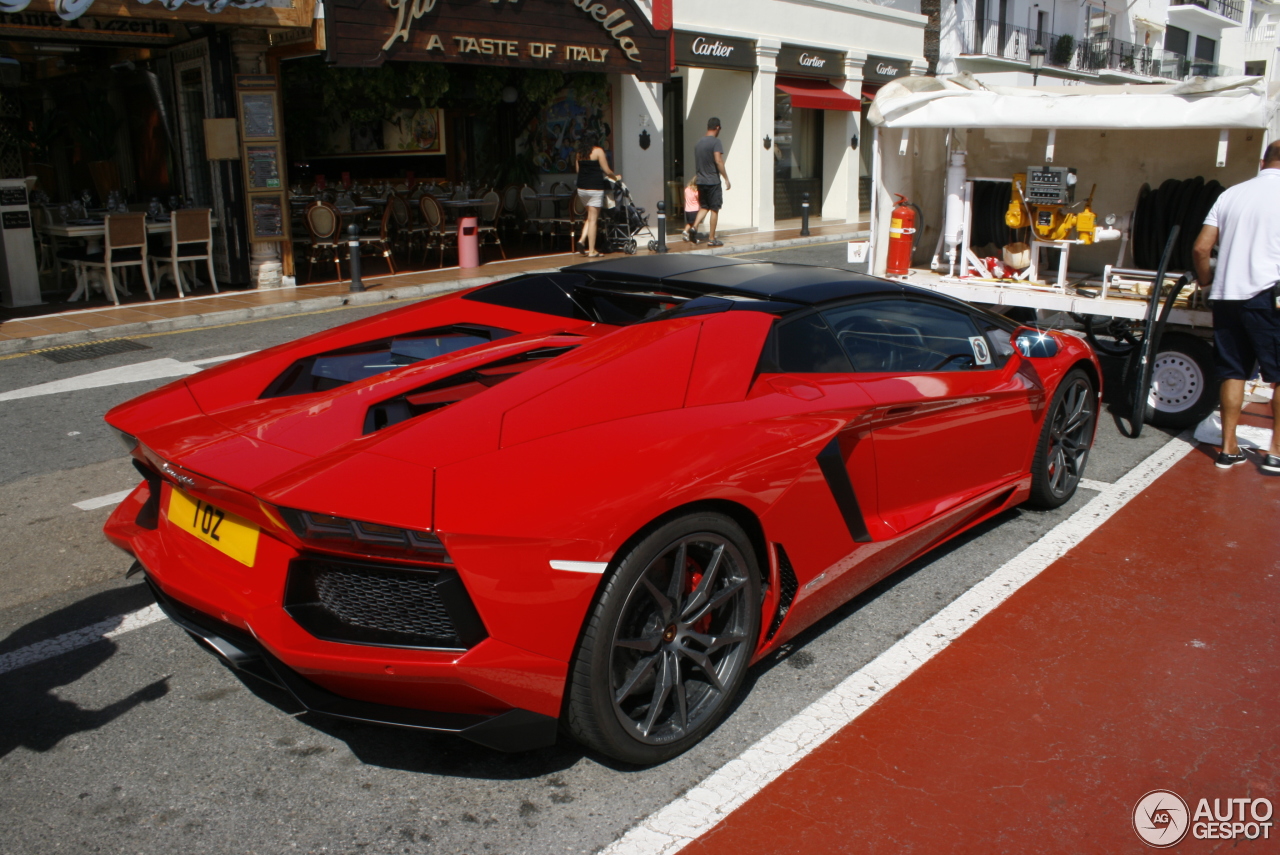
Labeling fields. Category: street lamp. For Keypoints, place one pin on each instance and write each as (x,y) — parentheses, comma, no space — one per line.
(1035,55)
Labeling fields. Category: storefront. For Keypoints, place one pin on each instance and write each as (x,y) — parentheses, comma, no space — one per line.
(876,72)
(786,81)
(483,94)
(111,103)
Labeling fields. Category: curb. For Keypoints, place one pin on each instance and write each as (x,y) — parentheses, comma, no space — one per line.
(382,294)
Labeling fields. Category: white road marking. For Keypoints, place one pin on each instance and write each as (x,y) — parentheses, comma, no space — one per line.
(580,566)
(698,811)
(68,641)
(155,369)
(1096,486)
(103,501)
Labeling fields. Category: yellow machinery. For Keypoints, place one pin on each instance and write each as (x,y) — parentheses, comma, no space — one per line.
(1043,197)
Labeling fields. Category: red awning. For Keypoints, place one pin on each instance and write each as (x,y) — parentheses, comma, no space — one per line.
(817,95)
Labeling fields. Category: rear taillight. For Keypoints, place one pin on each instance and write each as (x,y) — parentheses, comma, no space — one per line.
(327,532)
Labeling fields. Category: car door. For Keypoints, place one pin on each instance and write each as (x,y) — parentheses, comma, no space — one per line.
(952,417)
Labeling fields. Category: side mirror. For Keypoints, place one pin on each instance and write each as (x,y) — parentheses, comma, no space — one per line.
(1035,344)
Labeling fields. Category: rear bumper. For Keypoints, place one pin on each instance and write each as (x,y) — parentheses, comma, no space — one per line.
(512,730)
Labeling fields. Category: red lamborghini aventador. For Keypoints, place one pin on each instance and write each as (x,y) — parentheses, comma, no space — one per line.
(585,500)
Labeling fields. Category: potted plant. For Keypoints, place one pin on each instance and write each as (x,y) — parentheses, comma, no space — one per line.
(97,128)
(1063,50)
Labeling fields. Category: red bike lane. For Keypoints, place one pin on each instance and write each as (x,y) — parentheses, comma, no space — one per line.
(1143,659)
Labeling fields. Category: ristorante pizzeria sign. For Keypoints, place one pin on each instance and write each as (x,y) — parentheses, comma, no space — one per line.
(571,35)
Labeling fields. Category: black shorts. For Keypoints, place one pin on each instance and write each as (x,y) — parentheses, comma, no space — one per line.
(710,197)
(690,217)
(1246,332)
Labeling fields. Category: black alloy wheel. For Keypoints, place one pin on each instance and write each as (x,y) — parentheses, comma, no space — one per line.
(668,644)
(1063,449)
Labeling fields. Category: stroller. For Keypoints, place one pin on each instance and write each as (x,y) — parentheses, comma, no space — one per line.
(620,225)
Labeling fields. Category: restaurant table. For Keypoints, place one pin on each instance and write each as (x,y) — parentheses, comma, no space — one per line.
(92,231)
(556,200)
(461,206)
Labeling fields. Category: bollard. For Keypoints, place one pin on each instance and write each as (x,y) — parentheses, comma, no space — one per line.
(661,242)
(353,257)
(804,216)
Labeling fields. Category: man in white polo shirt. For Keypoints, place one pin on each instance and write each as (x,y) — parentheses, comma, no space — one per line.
(1245,224)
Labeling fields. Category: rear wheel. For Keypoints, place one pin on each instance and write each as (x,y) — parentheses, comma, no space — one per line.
(629,247)
(1065,440)
(1183,390)
(667,645)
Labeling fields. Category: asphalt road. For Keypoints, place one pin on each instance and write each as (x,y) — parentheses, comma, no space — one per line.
(144,743)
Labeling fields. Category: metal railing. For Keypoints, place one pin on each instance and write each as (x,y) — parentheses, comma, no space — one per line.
(1006,41)
(1090,56)
(1233,9)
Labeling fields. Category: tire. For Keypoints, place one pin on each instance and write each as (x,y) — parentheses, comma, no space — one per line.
(653,246)
(1183,390)
(654,674)
(629,247)
(1063,448)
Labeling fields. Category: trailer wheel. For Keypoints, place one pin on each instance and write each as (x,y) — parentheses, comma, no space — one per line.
(1183,389)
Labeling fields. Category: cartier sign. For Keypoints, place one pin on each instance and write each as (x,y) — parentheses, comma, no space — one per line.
(810,61)
(882,69)
(571,35)
(703,50)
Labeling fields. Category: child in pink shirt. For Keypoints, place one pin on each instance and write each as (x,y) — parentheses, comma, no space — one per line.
(691,205)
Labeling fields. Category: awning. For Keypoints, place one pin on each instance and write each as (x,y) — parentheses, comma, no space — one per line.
(961,101)
(817,95)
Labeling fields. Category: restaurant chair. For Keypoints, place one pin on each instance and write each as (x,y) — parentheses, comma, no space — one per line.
(436,232)
(190,240)
(569,225)
(381,239)
(124,244)
(509,216)
(489,209)
(533,219)
(324,225)
(403,229)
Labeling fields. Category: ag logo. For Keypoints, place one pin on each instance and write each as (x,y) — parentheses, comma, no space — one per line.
(1160,819)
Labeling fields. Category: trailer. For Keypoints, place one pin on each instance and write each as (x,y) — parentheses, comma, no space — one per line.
(1155,156)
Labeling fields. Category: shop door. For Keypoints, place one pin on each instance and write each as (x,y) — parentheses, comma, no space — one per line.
(673,151)
(206,183)
(797,164)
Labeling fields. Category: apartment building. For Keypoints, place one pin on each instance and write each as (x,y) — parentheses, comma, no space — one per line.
(1094,41)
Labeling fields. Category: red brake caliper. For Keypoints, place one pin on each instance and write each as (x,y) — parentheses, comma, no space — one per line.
(694,579)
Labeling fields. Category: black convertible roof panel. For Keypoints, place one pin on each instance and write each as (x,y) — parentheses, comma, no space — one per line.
(652,268)
(794,283)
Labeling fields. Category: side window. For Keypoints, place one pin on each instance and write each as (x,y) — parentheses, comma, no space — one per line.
(896,336)
(804,345)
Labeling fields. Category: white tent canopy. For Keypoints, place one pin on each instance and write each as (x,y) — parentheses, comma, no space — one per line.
(962,101)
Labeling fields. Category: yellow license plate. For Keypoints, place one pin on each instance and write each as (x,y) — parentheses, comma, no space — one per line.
(229,534)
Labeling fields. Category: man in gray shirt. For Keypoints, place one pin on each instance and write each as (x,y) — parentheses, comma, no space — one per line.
(708,156)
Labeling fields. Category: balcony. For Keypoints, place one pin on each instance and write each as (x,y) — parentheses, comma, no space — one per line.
(1212,13)
(990,38)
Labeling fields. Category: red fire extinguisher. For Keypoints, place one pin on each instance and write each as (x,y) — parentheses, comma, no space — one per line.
(902,231)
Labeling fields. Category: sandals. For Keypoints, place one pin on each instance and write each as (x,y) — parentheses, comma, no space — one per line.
(592,254)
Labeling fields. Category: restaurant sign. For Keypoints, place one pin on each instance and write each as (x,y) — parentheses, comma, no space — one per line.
(883,69)
(810,62)
(47,14)
(701,50)
(570,35)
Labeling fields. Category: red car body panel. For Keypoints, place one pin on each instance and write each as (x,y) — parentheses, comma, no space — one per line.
(566,461)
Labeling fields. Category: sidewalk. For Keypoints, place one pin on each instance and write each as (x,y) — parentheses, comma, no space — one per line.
(1143,659)
(78,327)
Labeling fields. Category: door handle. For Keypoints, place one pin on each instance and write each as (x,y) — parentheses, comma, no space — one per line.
(894,412)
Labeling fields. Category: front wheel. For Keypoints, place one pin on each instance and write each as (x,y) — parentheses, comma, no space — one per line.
(666,647)
(1063,448)
(629,247)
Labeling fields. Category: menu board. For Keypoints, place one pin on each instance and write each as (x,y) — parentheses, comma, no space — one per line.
(258,113)
(267,216)
(262,166)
